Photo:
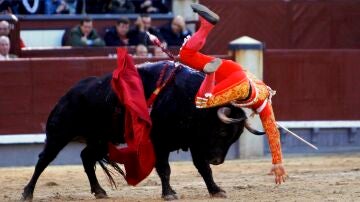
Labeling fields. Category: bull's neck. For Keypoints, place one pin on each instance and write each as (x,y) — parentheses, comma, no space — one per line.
(150,74)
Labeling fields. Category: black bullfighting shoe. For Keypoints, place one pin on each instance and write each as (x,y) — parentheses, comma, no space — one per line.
(212,66)
(206,13)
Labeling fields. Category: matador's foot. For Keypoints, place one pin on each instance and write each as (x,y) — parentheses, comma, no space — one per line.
(206,13)
(212,66)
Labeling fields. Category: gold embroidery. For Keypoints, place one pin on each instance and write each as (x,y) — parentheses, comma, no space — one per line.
(239,91)
(259,95)
(252,99)
(268,119)
(263,91)
(273,134)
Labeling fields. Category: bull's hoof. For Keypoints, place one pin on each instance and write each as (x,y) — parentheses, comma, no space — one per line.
(220,194)
(27,195)
(101,195)
(170,197)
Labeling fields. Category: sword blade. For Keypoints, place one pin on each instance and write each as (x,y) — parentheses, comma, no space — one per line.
(298,137)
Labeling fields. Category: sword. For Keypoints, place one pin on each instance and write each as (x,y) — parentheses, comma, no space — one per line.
(298,137)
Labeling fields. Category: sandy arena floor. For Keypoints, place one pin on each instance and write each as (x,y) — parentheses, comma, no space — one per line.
(320,178)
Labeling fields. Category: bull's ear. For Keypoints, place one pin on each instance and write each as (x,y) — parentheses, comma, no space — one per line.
(224,113)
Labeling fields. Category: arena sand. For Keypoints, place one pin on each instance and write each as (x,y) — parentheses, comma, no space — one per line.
(316,178)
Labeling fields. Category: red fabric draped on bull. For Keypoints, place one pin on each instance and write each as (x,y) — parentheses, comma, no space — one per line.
(138,156)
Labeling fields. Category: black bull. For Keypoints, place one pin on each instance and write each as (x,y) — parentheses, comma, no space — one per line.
(90,111)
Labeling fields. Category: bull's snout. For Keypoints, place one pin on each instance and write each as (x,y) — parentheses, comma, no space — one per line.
(216,161)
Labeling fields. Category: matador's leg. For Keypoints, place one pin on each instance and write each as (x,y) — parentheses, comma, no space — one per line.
(189,52)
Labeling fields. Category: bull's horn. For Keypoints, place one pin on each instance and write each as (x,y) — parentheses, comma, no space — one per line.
(223,114)
(252,130)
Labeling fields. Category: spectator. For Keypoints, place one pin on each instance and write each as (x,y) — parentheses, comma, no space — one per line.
(85,35)
(118,35)
(159,53)
(5,48)
(5,31)
(137,35)
(5,7)
(175,31)
(121,6)
(4,28)
(141,51)
(56,7)
(152,6)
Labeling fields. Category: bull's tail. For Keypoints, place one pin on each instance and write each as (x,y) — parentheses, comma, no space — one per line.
(252,130)
(111,168)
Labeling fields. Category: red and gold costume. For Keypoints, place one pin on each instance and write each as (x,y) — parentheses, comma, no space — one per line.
(233,85)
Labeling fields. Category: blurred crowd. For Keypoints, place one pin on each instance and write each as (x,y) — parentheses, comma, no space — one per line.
(5,41)
(50,7)
(122,33)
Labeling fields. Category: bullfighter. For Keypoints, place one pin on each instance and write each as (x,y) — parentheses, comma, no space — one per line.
(228,82)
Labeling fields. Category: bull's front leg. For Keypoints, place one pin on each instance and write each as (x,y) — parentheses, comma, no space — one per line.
(205,171)
(89,158)
(164,171)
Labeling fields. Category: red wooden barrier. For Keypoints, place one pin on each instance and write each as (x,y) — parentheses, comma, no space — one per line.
(29,88)
(314,84)
(304,24)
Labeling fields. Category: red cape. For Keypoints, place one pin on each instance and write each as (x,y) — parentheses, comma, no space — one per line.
(138,157)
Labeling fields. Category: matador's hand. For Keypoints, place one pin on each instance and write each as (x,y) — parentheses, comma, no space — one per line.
(279,171)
